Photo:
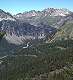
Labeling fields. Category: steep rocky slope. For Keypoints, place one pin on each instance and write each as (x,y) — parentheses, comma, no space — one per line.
(32,25)
(17,32)
(6,16)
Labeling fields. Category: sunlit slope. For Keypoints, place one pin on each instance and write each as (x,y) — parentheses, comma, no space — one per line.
(65,32)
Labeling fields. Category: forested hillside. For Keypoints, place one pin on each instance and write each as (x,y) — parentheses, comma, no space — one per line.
(46,61)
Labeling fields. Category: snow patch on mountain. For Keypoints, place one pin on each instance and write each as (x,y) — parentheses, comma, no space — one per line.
(7,19)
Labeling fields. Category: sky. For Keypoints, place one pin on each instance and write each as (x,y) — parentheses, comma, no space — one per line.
(20,6)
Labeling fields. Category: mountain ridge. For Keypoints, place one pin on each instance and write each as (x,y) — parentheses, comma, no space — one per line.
(34,25)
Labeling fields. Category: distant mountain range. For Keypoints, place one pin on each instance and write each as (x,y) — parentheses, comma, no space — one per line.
(47,16)
(33,24)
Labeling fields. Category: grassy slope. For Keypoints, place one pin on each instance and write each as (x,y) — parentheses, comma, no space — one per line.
(66,31)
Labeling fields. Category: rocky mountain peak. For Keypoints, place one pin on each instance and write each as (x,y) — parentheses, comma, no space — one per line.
(6,16)
(26,16)
(56,12)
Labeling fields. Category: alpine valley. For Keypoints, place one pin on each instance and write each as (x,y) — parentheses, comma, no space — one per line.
(36,45)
